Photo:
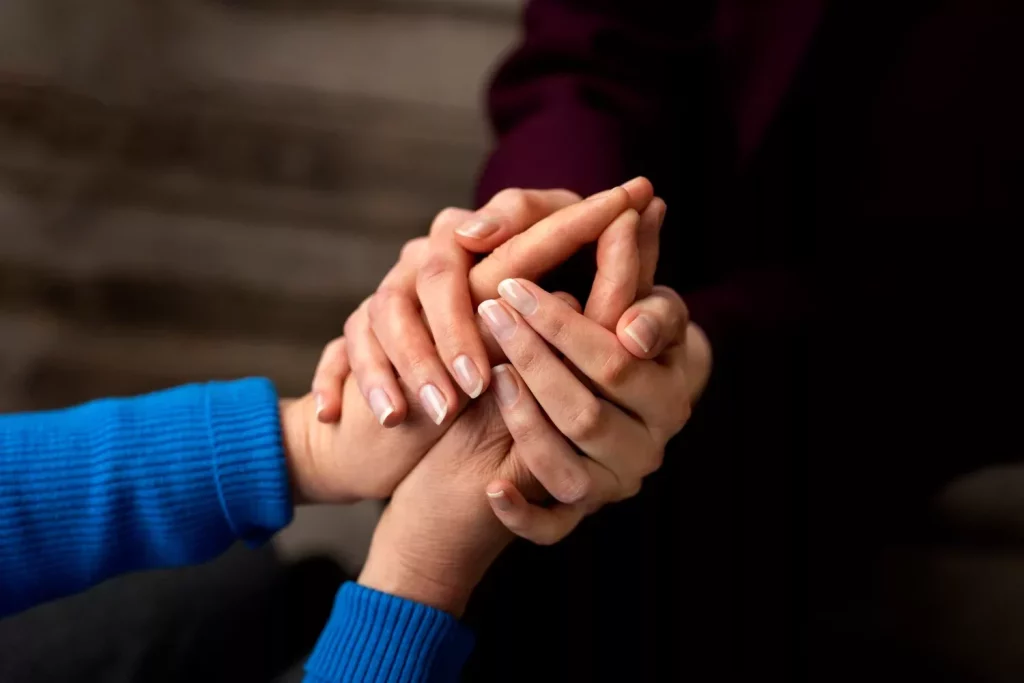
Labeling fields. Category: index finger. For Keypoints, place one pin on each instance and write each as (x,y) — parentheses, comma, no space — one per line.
(513,211)
(548,243)
(509,213)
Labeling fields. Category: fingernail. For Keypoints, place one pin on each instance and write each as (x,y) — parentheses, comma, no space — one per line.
(381,405)
(505,386)
(499,322)
(501,501)
(319,403)
(517,295)
(469,377)
(479,228)
(434,403)
(644,331)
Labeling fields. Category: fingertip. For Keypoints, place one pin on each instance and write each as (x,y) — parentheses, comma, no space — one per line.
(471,375)
(327,406)
(392,419)
(640,336)
(641,192)
(388,411)
(503,497)
(653,216)
(479,235)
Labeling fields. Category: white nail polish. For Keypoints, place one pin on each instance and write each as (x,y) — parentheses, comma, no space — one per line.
(434,403)
(469,377)
(500,500)
(381,405)
(517,295)
(643,331)
(478,229)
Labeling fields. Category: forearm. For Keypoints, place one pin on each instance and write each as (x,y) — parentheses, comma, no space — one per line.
(376,637)
(116,485)
(400,623)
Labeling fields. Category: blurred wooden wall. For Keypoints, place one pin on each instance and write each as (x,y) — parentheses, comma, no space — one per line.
(192,190)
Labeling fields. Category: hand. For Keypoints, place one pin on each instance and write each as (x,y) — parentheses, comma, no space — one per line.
(337,457)
(435,273)
(623,431)
(438,535)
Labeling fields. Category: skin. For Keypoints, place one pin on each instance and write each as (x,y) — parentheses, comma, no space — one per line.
(483,481)
(326,466)
(468,485)
(419,326)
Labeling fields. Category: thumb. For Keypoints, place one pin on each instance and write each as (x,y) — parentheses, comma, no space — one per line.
(653,323)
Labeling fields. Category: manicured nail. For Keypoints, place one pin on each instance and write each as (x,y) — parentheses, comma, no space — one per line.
(479,228)
(505,386)
(517,295)
(469,377)
(499,322)
(644,331)
(501,501)
(381,405)
(319,404)
(434,403)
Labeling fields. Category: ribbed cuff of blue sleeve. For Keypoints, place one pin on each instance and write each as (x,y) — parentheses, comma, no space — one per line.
(373,637)
(250,470)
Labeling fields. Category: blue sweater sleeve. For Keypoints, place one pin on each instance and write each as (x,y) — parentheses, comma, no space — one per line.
(374,637)
(173,478)
(166,479)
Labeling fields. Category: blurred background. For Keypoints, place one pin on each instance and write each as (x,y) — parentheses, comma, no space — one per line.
(197,189)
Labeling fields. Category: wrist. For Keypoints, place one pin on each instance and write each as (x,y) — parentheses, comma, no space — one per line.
(296,444)
(406,561)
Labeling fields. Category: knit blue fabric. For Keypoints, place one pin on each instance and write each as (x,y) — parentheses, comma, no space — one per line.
(173,478)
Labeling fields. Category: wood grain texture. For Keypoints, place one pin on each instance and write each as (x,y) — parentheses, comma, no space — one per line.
(226,218)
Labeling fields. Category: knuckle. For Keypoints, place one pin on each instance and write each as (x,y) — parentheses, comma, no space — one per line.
(381,303)
(334,348)
(527,359)
(678,306)
(574,488)
(355,322)
(682,414)
(666,425)
(652,461)
(350,328)
(557,325)
(630,488)
(616,368)
(448,336)
(445,217)
(412,249)
(522,429)
(513,201)
(417,362)
(435,267)
(585,421)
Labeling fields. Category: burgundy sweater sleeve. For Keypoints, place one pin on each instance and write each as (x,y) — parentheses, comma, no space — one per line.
(584,95)
(594,95)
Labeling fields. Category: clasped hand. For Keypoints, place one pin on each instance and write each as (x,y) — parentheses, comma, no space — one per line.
(572,407)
